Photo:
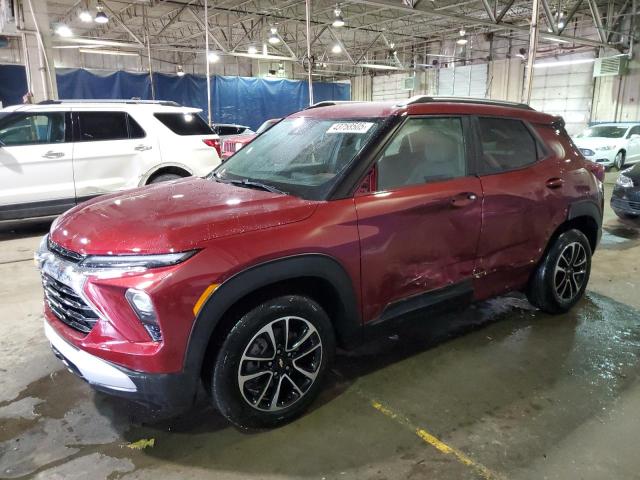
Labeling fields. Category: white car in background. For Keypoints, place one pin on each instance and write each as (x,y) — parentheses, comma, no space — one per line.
(610,144)
(56,154)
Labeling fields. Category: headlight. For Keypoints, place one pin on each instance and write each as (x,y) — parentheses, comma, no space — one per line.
(606,147)
(136,261)
(624,181)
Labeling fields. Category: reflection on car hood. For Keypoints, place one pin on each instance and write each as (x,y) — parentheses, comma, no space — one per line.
(593,142)
(173,216)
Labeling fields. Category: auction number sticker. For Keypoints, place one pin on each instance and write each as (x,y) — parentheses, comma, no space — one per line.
(350,127)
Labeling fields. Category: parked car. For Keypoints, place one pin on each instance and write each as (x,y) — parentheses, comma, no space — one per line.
(611,144)
(625,198)
(56,154)
(233,143)
(228,129)
(247,280)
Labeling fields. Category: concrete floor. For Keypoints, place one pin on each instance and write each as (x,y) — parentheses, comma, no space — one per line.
(499,391)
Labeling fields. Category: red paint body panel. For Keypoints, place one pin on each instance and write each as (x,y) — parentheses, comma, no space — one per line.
(392,244)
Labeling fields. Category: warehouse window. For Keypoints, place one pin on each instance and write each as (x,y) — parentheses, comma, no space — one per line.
(32,128)
(506,145)
(95,126)
(184,123)
(425,150)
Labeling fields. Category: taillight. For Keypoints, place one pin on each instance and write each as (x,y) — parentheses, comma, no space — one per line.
(596,169)
(215,143)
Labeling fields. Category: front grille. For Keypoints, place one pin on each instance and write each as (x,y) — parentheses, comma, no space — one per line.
(68,255)
(625,204)
(67,305)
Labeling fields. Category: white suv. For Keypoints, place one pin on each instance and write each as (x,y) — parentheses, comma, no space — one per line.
(56,154)
(610,144)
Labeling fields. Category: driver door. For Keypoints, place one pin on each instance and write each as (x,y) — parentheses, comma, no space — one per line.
(419,231)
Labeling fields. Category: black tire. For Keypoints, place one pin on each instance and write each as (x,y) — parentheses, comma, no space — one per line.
(165,177)
(618,162)
(545,289)
(247,403)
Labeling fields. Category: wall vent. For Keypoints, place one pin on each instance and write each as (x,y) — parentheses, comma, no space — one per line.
(611,66)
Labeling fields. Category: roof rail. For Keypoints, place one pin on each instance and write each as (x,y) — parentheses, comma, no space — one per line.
(328,103)
(168,103)
(477,101)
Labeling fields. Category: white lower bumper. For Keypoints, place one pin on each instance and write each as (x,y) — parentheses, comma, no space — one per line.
(94,370)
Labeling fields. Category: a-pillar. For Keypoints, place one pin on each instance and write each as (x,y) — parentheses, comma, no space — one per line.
(39,63)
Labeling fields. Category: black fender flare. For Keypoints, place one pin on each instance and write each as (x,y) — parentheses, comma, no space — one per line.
(587,208)
(348,325)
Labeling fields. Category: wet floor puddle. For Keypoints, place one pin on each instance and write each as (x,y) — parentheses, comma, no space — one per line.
(58,418)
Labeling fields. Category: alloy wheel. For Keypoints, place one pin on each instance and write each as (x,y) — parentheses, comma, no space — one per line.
(280,364)
(570,271)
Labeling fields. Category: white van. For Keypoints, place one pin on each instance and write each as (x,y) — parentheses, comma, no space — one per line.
(56,154)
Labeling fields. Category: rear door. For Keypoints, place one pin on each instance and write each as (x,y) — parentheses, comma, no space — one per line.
(523,202)
(419,231)
(111,151)
(36,171)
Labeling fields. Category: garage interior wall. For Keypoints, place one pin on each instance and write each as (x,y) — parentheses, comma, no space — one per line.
(617,98)
(506,79)
(565,90)
(463,81)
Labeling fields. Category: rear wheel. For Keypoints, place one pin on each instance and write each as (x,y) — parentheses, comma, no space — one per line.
(618,162)
(273,361)
(562,276)
(165,177)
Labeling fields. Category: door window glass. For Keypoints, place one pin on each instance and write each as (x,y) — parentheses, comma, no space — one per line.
(135,130)
(506,145)
(32,128)
(96,126)
(424,150)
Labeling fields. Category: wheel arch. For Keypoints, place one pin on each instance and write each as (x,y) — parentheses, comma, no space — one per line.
(585,216)
(318,276)
(175,168)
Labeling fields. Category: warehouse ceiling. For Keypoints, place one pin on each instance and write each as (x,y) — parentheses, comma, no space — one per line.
(392,33)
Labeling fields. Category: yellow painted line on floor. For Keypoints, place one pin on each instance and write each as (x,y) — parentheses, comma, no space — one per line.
(439,445)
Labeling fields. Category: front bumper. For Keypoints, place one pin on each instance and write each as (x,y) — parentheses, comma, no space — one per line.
(167,392)
(602,157)
(626,200)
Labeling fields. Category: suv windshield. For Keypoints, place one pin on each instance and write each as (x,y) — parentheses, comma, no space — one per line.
(603,131)
(300,156)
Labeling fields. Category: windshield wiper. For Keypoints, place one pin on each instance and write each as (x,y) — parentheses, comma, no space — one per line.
(245,182)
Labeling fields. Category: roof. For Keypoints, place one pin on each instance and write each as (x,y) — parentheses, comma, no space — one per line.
(425,105)
(155,106)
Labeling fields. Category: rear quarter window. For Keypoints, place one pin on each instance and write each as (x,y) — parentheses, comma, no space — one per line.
(184,123)
(507,144)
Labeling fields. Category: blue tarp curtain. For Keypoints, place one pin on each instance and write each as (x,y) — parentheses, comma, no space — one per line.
(243,100)
(13,84)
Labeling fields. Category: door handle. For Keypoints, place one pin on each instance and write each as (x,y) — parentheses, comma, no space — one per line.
(142,148)
(52,154)
(463,199)
(554,183)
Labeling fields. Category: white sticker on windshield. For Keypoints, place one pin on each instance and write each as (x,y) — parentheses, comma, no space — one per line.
(350,127)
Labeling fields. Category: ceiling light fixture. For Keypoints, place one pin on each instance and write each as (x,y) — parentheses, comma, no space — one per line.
(338,21)
(180,71)
(213,57)
(274,39)
(462,40)
(252,50)
(85,16)
(101,17)
(336,49)
(63,31)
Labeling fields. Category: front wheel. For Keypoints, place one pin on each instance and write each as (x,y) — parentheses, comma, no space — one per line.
(618,162)
(562,276)
(273,361)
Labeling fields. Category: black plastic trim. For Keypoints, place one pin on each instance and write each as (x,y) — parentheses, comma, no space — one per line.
(347,325)
(36,209)
(587,208)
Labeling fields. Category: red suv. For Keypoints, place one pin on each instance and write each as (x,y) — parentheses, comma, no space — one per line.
(338,221)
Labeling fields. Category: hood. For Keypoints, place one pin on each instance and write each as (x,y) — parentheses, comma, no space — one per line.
(593,142)
(173,216)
